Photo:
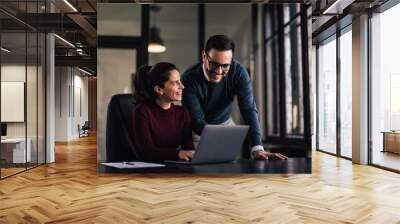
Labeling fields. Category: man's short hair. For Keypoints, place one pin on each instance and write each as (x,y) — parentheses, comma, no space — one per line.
(220,43)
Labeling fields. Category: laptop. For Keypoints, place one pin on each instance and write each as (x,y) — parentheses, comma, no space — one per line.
(218,144)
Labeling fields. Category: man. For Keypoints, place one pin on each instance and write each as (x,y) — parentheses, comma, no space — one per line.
(210,89)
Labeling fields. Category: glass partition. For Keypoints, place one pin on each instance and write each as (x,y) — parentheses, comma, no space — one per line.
(14,153)
(22,91)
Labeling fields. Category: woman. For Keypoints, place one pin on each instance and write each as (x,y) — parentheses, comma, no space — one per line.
(162,130)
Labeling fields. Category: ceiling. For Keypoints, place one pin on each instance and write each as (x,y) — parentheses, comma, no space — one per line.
(325,22)
(78,24)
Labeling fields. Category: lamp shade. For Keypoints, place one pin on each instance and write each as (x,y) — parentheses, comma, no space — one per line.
(156,44)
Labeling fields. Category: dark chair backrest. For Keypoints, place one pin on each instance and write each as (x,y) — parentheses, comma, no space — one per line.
(86,126)
(120,145)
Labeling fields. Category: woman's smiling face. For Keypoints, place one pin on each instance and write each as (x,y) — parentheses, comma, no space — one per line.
(172,90)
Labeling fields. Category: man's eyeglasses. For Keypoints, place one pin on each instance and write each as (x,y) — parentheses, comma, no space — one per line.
(214,65)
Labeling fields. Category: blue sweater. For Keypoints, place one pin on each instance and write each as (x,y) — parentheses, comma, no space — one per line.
(212,103)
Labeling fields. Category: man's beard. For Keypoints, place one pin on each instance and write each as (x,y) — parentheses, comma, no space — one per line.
(216,77)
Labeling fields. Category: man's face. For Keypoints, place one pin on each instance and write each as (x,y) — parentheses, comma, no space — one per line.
(217,64)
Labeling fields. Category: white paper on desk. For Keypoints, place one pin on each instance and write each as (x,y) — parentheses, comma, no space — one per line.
(134,164)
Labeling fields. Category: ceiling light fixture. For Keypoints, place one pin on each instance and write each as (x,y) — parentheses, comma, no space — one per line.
(5,50)
(65,41)
(84,71)
(70,5)
(156,44)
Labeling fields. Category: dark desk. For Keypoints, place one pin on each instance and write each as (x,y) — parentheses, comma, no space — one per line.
(292,165)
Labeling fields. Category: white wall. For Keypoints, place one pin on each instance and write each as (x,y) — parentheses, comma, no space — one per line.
(16,72)
(81,82)
(33,126)
(62,81)
(67,114)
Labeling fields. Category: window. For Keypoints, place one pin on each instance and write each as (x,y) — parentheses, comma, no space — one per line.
(346,93)
(334,93)
(272,70)
(385,88)
(327,95)
(285,51)
(294,79)
(272,88)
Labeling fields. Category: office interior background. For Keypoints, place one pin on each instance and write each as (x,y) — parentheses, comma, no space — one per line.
(50,58)
(48,82)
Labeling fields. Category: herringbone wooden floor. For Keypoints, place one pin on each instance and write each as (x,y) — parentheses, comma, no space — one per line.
(71,191)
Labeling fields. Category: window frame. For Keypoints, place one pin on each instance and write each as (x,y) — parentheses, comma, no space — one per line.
(346,27)
(380,9)
(285,139)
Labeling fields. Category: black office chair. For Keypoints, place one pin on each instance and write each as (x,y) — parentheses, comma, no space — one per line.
(120,145)
(84,129)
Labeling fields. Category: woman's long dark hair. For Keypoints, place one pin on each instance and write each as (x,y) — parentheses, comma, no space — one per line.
(147,77)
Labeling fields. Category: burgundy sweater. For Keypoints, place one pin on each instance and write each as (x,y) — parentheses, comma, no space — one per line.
(159,132)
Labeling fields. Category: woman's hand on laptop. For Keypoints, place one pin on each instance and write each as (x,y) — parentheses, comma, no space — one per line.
(186,154)
(261,154)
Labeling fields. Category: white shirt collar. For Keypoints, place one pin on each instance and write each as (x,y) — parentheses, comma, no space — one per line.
(205,73)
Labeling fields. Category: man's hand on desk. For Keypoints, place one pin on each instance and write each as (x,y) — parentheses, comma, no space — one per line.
(261,154)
